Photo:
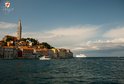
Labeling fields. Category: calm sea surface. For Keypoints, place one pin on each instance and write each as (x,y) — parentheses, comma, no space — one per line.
(63,71)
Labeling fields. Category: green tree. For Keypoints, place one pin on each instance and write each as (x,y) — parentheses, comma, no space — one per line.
(46,45)
(23,39)
(9,38)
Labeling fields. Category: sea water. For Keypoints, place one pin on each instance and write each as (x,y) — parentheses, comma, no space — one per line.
(63,71)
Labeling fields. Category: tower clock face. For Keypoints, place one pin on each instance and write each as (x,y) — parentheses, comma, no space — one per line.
(7,4)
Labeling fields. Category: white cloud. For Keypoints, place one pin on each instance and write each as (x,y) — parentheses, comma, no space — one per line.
(113,47)
(101,45)
(116,40)
(7,25)
(65,37)
(7,28)
(111,43)
(115,33)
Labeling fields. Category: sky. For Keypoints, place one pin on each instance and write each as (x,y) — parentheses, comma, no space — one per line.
(90,27)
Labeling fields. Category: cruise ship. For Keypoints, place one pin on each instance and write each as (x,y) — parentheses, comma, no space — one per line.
(81,55)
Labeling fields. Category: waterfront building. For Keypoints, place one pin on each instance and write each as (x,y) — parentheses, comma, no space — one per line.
(41,52)
(27,52)
(1,52)
(1,43)
(69,53)
(44,52)
(50,53)
(62,53)
(9,52)
(19,52)
(55,51)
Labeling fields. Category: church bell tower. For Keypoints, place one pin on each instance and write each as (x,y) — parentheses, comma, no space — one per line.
(19,30)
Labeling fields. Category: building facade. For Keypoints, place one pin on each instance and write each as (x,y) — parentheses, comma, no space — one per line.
(9,52)
(27,52)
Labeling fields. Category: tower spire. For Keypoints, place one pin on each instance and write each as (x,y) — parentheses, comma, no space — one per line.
(19,31)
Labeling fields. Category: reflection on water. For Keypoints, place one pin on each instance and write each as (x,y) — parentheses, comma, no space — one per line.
(64,71)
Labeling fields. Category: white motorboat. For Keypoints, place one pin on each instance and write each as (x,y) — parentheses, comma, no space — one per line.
(44,58)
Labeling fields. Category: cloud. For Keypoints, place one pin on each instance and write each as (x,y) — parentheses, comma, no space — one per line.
(113,47)
(111,43)
(65,36)
(102,44)
(7,28)
(115,33)
(7,25)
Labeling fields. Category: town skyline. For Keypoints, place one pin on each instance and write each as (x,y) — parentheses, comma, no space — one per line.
(84,26)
